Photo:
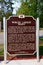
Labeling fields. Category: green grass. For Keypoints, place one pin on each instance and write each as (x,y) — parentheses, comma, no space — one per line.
(41,38)
(41,50)
(41,47)
(1,45)
(1,50)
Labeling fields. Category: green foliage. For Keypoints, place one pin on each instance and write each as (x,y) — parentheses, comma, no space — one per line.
(8,5)
(28,9)
(24,9)
(32,8)
(8,14)
(3,13)
(2,0)
(41,20)
(41,14)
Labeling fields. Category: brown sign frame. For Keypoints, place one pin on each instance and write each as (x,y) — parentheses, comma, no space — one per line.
(35,33)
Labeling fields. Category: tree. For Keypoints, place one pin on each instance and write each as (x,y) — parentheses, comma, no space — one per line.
(6,9)
(28,8)
(6,6)
(41,13)
(32,8)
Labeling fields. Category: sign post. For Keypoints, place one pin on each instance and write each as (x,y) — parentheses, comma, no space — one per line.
(5,42)
(22,36)
(37,39)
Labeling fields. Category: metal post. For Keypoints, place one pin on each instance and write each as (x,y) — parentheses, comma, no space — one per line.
(37,38)
(4,26)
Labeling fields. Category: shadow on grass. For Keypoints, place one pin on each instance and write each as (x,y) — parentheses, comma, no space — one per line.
(41,51)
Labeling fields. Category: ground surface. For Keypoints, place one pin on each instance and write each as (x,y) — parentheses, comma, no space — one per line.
(23,62)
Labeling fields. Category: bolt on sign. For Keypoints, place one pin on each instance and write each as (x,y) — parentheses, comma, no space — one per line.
(21,35)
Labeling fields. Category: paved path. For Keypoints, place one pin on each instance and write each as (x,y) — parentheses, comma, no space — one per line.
(23,62)
(41,33)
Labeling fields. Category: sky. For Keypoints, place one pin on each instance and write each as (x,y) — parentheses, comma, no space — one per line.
(16,5)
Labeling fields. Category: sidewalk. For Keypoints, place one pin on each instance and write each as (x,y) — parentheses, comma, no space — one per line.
(23,62)
(41,33)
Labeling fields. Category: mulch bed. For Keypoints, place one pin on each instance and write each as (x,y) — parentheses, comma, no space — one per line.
(23,58)
(20,58)
(1,58)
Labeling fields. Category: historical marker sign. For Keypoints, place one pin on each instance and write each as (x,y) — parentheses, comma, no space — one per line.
(21,35)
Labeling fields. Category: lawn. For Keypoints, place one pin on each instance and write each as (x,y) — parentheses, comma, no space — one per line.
(41,50)
(41,38)
(1,50)
(41,46)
